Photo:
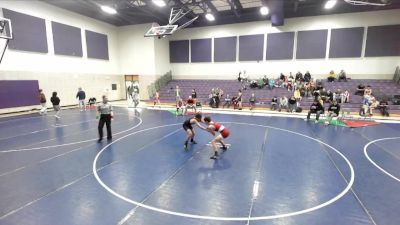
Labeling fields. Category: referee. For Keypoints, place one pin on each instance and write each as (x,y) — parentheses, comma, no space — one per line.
(106,113)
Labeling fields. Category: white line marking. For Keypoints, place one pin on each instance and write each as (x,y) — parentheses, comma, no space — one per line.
(194,216)
(67,144)
(373,162)
(12,171)
(255,189)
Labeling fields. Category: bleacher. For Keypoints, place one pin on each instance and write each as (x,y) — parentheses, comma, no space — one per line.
(381,88)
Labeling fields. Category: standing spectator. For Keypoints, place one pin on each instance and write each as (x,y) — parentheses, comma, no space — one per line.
(105,111)
(177,94)
(42,99)
(194,94)
(342,76)
(239,99)
(283,103)
(292,104)
(56,104)
(333,111)
(252,101)
(274,103)
(190,104)
(346,97)
(315,108)
(81,95)
(156,99)
(299,76)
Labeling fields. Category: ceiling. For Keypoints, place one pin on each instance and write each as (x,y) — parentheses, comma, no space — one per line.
(225,11)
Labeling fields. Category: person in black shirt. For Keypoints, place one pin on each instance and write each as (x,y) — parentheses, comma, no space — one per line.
(360,90)
(292,104)
(307,77)
(81,95)
(56,104)
(187,126)
(274,103)
(384,108)
(299,76)
(333,111)
(315,108)
(194,94)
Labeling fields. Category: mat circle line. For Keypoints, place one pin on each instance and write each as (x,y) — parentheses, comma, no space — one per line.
(373,162)
(194,216)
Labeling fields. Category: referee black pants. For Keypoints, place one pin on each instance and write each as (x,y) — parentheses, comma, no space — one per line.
(105,118)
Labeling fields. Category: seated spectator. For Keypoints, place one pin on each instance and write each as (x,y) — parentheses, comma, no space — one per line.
(333,111)
(323,94)
(283,103)
(190,104)
(342,76)
(368,90)
(365,105)
(292,104)
(373,103)
(337,96)
(274,103)
(299,76)
(307,77)
(307,89)
(278,83)
(331,76)
(194,94)
(319,85)
(384,107)
(345,97)
(252,101)
(271,84)
(297,95)
(228,101)
(282,77)
(360,90)
(291,76)
(329,96)
(315,108)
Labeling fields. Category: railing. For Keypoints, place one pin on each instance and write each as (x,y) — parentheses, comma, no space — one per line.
(159,83)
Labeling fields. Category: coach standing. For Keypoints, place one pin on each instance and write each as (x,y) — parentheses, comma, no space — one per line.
(105,110)
(81,95)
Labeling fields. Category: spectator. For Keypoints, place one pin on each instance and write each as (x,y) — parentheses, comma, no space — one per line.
(329,96)
(81,95)
(56,104)
(190,104)
(337,95)
(156,99)
(365,105)
(333,111)
(307,77)
(274,103)
(345,97)
(252,101)
(297,96)
(292,104)
(384,107)
(360,90)
(194,94)
(179,106)
(342,76)
(299,76)
(239,99)
(42,100)
(319,85)
(331,76)
(368,90)
(283,103)
(239,78)
(227,102)
(315,108)
(271,83)
(282,77)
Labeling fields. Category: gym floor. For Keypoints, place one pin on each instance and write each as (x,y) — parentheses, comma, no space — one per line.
(276,171)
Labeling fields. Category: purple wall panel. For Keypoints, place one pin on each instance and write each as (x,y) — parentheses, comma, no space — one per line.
(383,41)
(29,32)
(179,51)
(16,93)
(251,47)
(225,49)
(311,44)
(97,45)
(67,39)
(280,46)
(200,50)
(346,42)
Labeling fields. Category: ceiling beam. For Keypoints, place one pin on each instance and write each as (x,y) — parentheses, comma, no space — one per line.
(234,8)
(211,7)
(238,5)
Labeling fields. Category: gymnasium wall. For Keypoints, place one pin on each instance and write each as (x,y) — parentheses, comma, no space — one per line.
(358,67)
(56,71)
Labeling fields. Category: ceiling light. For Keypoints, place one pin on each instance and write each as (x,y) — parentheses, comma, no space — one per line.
(264,10)
(159,3)
(330,4)
(108,9)
(210,17)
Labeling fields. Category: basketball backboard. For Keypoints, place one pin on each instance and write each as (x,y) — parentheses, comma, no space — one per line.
(5,28)
(160,31)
